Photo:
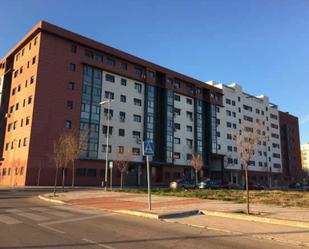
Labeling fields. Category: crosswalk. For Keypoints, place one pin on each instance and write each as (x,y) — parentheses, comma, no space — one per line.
(41,214)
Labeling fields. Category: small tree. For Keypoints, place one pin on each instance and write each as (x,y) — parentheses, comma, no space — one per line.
(122,164)
(57,158)
(197,164)
(74,144)
(247,140)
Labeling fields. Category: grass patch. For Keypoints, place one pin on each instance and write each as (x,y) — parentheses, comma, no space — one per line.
(270,197)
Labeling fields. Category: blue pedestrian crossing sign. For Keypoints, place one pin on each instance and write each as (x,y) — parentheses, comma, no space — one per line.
(148,148)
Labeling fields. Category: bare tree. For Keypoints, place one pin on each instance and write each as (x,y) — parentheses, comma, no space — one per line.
(197,164)
(75,142)
(122,164)
(249,138)
(57,158)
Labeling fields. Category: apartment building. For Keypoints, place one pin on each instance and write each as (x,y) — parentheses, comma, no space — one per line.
(54,80)
(305,157)
(242,111)
(290,148)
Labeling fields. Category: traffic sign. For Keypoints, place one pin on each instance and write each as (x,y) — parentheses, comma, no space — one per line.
(148,148)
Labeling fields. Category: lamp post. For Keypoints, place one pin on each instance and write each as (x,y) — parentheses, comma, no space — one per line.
(108,102)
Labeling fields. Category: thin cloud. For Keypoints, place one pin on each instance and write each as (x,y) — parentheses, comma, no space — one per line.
(304,119)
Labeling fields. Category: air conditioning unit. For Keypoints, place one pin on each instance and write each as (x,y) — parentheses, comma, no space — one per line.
(122,119)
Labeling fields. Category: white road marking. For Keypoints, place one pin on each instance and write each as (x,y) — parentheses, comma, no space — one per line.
(77,209)
(32,216)
(51,228)
(8,220)
(98,244)
(52,212)
(75,219)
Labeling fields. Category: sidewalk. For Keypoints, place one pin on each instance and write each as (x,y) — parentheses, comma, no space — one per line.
(165,204)
(218,215)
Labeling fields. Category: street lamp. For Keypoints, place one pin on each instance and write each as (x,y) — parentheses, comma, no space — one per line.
(108,102)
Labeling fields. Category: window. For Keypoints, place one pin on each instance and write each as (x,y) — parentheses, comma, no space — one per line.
(72,67)
(151,74)
(138,87)
(137,102)
(123,82)
(169,80)
(189,157)
(13,91)
(122,116)
(176,155)
(273,116)
(124,66)
(98,57)
(247,118)
(29,100)
(71,86)
(189,128)
(27,120)
(229,136)
(189,142)
(136,134)
(199,90)
(136,151)
(248,108)
(123,98)
(68,124)
(138,71)
(25,142)
(176,140)
(228,101)
(229,124)
(176,97)
(91,172)
(21,70)
(110,78)
(70,104)
(104,148)
(218,134)
(177,126)
(89,54)
(32,79)
(229,148)
(177,111)
(110,113)
(121,132)
(74,49)
(228,113)
(189,101)
(189,115)
(137,118)
(104,129)
(120,149)
(33,60)
(109,95)
(110,62)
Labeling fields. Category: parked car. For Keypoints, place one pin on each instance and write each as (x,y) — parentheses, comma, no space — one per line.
(186,184)
(231,186)
(255,187)
(209,185)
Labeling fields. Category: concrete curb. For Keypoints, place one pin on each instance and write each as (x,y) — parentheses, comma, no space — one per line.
(149,215)
(257,219)
(50,199)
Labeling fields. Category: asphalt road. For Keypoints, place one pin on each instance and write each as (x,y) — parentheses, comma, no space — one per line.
(27,222)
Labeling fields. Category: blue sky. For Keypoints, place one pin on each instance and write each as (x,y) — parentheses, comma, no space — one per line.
(261,44)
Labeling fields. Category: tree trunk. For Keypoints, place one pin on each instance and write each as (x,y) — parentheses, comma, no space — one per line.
(196,177)
(56,180)
(247,190)
(73,174)
(121,177)
(63,178)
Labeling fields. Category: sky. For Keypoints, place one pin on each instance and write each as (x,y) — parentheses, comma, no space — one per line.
(260,44)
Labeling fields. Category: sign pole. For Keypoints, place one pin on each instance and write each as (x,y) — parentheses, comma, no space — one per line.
(148,180)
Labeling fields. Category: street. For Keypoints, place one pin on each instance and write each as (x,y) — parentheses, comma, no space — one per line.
(27,222)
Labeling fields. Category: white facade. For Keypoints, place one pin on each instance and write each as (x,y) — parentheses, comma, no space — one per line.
(184,129)
(305,156)
(241,108)
(128,98)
